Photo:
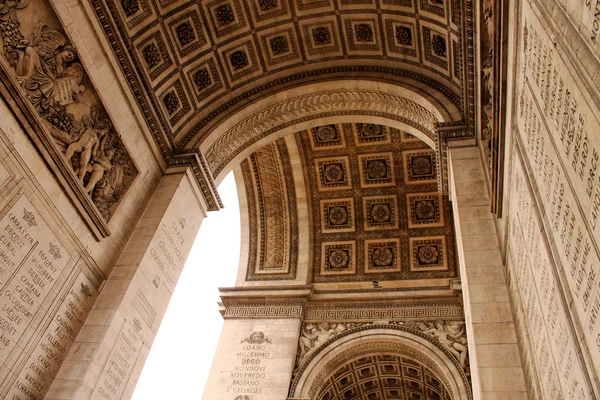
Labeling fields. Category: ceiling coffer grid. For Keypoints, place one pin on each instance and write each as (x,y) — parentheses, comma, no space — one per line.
(188,61)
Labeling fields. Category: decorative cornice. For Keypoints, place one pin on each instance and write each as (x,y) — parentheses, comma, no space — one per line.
(278,308)
(384,310)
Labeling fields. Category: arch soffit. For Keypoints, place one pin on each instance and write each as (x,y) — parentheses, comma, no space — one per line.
(435,95)
(395,338)
(317,104)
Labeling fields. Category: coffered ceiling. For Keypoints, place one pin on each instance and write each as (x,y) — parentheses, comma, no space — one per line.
(191,63)
(375,212)
(383,377)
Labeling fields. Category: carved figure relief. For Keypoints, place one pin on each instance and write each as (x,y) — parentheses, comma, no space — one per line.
(313,336)
(450,334)
(46,67)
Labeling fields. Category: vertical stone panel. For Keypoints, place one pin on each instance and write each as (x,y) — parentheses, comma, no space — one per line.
(493,351)
(552,236)
(108,354)
(254,359)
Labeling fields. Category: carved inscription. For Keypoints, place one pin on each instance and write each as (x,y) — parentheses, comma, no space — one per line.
(28,270)
(560,135)
(250,370)
(591,18)
(560,373)
(119,365)
(43,364)
(168,254)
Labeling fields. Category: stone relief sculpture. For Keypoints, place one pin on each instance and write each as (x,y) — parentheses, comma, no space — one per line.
(46,67)
(312,336)
(487,78)
(450,334)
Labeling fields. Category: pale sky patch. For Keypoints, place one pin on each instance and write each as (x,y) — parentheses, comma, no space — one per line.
(180,359)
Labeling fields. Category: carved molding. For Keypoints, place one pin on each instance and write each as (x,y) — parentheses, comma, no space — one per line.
(383,312)
(263,311)
(266,306)
(272,214)
(312,106)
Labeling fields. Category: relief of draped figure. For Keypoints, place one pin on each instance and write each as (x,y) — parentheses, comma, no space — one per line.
(46,67)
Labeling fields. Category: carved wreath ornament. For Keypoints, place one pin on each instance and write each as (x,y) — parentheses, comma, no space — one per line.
(304,107)
(256,338)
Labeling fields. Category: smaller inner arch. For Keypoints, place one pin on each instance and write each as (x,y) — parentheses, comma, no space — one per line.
(383,376)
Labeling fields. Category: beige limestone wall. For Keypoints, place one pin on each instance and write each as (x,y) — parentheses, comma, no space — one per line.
(496,369)
(254,358)
(51,265)
(554,199)
(109,353)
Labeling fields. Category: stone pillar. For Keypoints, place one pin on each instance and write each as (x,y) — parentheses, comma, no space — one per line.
(108,355)
(255,356)
(496,367)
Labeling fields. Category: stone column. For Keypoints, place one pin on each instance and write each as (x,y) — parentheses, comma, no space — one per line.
(496,367)
(257,348)
(108,355)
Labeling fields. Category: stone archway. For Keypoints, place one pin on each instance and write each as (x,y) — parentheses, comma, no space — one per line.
(308,106)
(376,341)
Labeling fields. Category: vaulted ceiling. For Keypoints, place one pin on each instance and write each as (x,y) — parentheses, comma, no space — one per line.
(374,211)
(383,377)
(191,63)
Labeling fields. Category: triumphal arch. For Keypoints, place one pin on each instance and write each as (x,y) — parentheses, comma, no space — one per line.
(419,187)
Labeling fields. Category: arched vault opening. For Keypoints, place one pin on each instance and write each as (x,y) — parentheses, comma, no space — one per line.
(430,119)
(381,362)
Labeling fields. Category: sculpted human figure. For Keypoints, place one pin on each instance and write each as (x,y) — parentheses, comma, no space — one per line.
(87,145)
(307,339)
(102,163)
(43,59)
(450,336)
(488,77)
(488,17)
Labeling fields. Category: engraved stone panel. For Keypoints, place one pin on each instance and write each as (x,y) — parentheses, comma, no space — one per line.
(365,134)
(419,166)
(425,209)
(338,258)
(41,291)
(428,254)
(377,170)
(382,255)
(553,212)
(327,137)
(333,173)
(381,212)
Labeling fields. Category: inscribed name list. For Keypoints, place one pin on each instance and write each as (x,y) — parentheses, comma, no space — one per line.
(31,261)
